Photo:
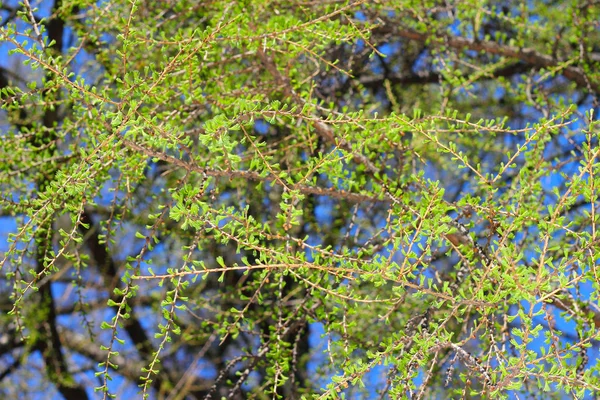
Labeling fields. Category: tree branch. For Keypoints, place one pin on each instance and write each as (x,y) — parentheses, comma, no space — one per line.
(526,55)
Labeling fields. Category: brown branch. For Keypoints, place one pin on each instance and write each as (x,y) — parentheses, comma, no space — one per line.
(109,272)
(374,82)
(50,346)
(128,368)
(48,342)
(526,55)
(132,325)
(250,175)
(568,304)
(320,127)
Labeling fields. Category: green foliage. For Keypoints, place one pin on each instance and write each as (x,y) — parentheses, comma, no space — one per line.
(301,199)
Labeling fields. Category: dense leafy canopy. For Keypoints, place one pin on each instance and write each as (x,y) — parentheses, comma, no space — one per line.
(268,199)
